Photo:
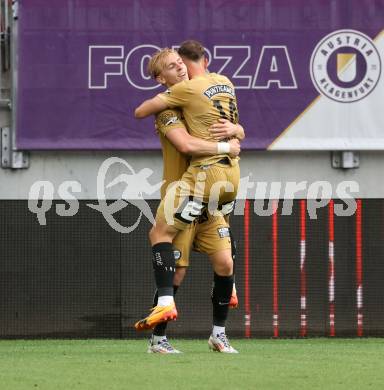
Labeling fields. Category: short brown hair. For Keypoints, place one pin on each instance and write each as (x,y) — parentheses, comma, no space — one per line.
(191,49)
(157,62)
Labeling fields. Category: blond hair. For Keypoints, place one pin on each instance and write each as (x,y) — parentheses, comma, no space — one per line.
(157,62)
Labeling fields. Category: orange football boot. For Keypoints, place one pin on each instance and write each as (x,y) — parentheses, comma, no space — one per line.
(157,315)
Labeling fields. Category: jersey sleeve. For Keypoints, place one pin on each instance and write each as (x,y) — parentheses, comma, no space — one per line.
(177,96)
(168,120)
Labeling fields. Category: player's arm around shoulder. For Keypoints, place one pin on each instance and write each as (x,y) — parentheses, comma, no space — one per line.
(150,107)
(176,96)
(179,95)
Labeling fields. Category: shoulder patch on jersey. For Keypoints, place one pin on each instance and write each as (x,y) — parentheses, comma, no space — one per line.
(167,118)
(172,120)
(223,232)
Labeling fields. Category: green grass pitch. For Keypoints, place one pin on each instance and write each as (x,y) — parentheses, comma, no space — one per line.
(124,364)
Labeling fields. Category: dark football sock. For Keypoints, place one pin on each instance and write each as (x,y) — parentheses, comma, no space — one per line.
(164,266)
(159,330)
(221,295)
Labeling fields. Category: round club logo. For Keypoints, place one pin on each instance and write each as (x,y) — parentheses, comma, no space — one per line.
(345,66)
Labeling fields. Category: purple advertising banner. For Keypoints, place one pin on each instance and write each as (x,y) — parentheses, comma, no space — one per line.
(308,74)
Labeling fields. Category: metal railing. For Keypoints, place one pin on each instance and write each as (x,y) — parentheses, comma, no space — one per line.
(10,156)
(5,52)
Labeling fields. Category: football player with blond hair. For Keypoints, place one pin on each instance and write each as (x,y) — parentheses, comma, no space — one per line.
(213,236)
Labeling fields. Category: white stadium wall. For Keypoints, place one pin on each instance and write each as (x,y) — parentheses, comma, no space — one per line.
(268,167)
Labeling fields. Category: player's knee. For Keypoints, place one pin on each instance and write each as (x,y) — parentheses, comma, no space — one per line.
(161,233)
(227,269)
(224,267)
